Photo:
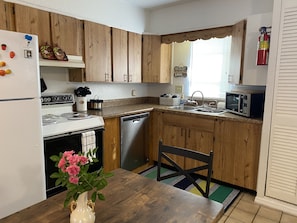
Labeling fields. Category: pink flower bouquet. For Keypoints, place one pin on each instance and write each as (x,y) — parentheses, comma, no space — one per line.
(73,174)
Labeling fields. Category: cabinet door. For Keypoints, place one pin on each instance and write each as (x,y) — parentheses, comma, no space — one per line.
(174,136)
(7,19)
(33,21)
(166,59)
(201,141)
(120,55)
(151,58)
(156,60)
(155,134)
(237,52)
(188,132)
(134,57)
(111,149)
(237,145)
(67,33)
(97,52)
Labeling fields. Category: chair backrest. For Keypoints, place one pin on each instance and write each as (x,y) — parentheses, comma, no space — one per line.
(205,159)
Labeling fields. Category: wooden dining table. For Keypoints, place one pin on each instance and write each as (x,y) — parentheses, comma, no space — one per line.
(129,197)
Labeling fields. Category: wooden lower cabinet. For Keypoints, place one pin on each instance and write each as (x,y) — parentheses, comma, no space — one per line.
(155,137)
(187,132)
(236,144)
(237,148)
(111,142)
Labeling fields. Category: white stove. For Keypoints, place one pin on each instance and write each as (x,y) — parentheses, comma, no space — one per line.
(58,117)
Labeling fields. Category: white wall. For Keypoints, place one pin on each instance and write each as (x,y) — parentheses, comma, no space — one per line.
(57,80)
(201,14)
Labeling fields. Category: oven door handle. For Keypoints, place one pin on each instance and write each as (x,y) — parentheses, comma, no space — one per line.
(72,133)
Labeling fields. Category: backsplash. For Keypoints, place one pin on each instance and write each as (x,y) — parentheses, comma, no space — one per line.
(56,80)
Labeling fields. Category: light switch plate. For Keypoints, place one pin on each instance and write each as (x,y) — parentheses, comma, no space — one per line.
(178,89)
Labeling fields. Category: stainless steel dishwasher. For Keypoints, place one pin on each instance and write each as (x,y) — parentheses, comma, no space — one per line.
(134,140)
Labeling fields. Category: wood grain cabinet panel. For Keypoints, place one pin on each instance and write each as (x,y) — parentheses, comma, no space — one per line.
(120,55)
(134,57)
(156,60)
(7,19)
(155,134)
(111,141)
(126,56)
(237,145)
(188,132)
(67,33)
(33,21)
(97,52)
(237,53)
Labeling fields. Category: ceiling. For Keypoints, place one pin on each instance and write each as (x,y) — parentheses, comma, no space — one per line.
(153,4)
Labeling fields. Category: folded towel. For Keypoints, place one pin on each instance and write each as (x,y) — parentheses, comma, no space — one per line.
(88,141)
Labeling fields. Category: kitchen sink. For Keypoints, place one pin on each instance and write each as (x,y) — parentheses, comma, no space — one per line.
(184,107)
(210,110)
(204,109)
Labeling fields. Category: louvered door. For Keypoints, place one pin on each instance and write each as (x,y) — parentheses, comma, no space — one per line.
(282,164)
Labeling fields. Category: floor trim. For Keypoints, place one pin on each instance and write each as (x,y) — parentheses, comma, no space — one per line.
(277,204)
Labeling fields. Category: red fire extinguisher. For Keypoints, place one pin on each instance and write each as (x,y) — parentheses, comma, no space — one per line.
(263,46)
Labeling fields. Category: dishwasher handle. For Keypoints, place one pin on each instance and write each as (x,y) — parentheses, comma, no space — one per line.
(135,118)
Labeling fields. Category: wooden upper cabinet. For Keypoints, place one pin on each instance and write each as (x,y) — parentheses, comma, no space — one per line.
(126,56)
(155,60)
(120,55)
(33,21)
(7,20)
(97,52)
(237,53)
(134,57)
(165,66)
(67,33)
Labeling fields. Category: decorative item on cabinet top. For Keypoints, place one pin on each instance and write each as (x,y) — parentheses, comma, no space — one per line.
(56,57)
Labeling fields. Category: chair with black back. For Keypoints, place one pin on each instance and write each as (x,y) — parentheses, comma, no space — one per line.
(205,160)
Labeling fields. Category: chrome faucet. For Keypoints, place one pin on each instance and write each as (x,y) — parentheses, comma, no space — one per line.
(202,96)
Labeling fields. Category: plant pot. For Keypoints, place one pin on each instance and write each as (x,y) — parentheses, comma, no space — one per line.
(81,104)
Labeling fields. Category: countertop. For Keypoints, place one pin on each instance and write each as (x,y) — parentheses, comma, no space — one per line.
(123,110)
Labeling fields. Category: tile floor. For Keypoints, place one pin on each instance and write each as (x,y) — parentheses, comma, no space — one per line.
(244,210)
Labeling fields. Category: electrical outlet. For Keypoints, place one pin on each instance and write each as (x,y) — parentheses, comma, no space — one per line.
(133,92)
(178,89)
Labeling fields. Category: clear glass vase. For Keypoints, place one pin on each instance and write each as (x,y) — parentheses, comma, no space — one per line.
(82,210)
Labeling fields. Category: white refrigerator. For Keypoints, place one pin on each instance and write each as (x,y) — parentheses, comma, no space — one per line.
(22,177)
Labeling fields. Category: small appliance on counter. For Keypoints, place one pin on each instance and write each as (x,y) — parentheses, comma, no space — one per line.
(169,99)
(95,104)
(246,103)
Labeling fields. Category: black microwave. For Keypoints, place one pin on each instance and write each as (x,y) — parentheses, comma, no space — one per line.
(246,104)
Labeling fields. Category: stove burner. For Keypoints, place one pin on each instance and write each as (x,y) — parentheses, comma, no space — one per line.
(50,119)
(76,116)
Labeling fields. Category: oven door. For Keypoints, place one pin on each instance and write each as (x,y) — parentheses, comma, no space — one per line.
(65,142)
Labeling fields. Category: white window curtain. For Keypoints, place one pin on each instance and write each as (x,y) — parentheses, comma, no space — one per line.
(209,67)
